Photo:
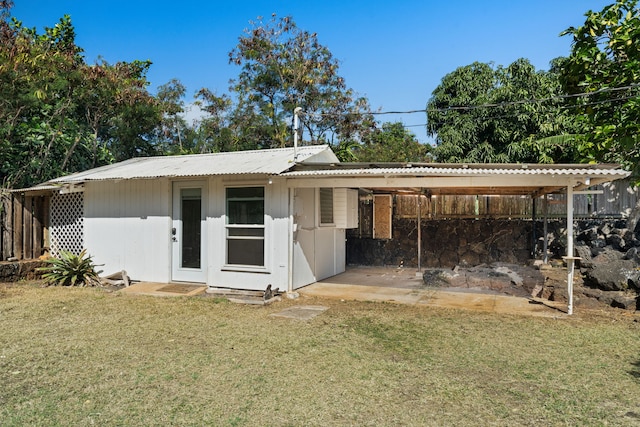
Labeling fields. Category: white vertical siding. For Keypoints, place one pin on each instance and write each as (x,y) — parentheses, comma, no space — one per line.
(278,203)
(127,227)
(216,231)
(339,251)
(304,236)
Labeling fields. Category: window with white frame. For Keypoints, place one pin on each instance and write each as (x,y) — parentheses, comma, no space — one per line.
(326,206)
(245,226)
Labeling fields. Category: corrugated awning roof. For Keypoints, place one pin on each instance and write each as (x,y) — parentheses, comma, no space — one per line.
(41,188)
(266,162)
(506,179)
(453,169)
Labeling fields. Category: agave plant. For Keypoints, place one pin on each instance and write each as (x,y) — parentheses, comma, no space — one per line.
(71,270)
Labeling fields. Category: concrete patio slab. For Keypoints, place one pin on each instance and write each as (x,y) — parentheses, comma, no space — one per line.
(348,291)
(405,287)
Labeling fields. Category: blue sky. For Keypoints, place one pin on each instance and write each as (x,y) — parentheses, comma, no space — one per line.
(393,52)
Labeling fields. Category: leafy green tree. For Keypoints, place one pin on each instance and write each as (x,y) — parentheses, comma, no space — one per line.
(605,64)
(38,75)
(171,134)
(122,115)
(215,133)
(392,143)
(60,115)
(284,67)
(483,114)
(458,132)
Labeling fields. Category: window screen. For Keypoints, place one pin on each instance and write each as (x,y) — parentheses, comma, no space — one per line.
(245,226)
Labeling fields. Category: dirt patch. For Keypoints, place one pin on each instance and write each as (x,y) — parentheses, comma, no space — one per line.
(499,278)
(547,282)
(301,312)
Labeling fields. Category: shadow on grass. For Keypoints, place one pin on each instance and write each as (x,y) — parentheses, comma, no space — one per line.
(635,371)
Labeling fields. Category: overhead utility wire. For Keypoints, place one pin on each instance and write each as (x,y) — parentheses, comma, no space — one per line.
(539,101)
(492,105)
(551,109)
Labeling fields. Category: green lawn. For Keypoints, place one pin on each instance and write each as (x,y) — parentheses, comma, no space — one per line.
(87,357)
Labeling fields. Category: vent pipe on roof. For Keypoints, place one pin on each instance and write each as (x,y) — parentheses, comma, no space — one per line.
(296,111)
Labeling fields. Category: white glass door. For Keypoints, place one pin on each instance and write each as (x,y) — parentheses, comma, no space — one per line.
(188,232)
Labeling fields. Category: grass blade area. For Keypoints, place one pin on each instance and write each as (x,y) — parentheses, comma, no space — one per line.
(72,356)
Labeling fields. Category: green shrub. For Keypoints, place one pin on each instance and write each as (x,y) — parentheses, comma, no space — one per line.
(71,270)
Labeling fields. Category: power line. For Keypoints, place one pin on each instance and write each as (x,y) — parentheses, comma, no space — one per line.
(542,100)
(414,126)
(492,105)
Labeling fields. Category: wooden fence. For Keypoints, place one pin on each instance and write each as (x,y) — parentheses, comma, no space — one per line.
(24,226)
(616,201)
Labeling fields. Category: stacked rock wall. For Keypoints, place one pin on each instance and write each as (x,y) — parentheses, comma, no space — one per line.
(13,271)
(446,243)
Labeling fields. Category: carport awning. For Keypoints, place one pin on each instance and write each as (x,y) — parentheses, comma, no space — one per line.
(472,179)
(489,179)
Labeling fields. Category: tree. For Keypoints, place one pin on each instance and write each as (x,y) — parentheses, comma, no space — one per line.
(459,131)
(605,64)
(214,131)
(122,115)
(391,143)
(483,114)
(60,115)
(284,67)
(38,75)
(171,132)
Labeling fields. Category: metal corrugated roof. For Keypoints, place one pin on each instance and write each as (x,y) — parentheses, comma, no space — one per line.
(36,188)
(269,162)
(476,170)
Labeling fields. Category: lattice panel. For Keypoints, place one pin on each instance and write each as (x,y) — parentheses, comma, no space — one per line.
(67,223)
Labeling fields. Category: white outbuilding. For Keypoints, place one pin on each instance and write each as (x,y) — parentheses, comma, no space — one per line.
(223,219)
(250,219)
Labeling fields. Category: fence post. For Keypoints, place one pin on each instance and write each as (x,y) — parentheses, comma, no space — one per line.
(5,238)
(38,225)
(27,228)
(17,226)
(46,223)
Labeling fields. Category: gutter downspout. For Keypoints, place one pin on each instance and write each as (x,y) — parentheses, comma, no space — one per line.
(291,242)
(296,111)
(291,232)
